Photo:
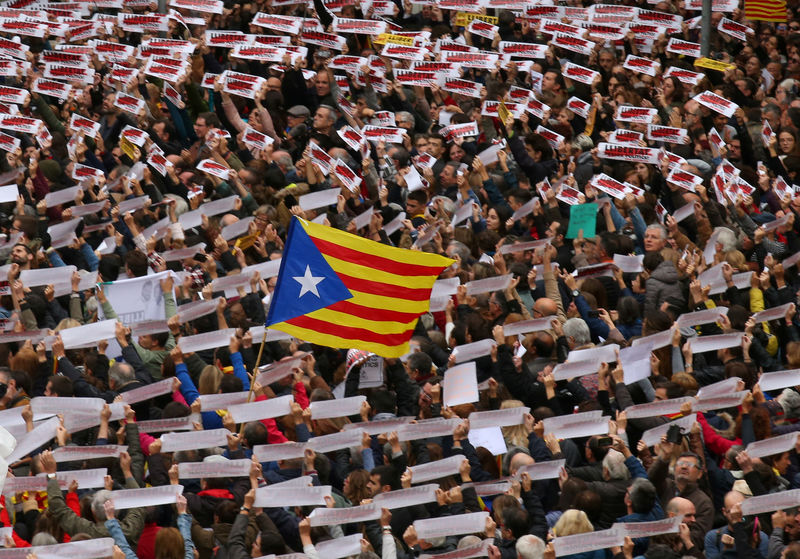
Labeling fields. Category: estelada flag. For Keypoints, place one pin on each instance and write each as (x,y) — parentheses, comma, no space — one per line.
(765,10)
(340,290)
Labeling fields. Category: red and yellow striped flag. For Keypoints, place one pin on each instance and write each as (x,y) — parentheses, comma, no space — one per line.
(765,10)
(340,290)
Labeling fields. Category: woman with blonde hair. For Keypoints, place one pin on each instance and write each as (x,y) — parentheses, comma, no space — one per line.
(209,380)
(514,435)
(573,522)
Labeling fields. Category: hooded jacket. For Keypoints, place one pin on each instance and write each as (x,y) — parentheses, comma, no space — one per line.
(663,284)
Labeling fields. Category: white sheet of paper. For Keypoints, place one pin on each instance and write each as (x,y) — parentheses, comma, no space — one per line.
(230,468)
(498,418)
(542,470)
(73,453)
(653,436)
(86,549)
(705,316)
(166,425)
(598,354)
(302,481)
(771,502)
(56,405)
(8,193)
(528,326)
(325,409)
(190,311)
(462,213)
(237,228)
(467,352)
(88,333)
(362,513)
(436,469)
(772,314)
(655,341)
(478,550)
(147,392)
(146,497)
(281,451)
(451,525)
(207,340)
(635,362)
(427,429)
(46,276)
(371,373)
(773,445)
(402,498)
(335,441)
(570,370)
(647,529)
(579,543)
(87,479)
(137,299)
(712,343)
(779,380)
(277,371)
(720,401)
(340,547)
(490,438)
(487,285)
(211,402)
(657,408)
(321,199)
(629,264)
(380,426)
(193,218)
(489,488)
(683,212)
(291,496)
(173,442)
(719,388)
(578,429)
(265,409)
(460,384)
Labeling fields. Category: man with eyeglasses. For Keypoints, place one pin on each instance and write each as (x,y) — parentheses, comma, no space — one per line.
(689,469)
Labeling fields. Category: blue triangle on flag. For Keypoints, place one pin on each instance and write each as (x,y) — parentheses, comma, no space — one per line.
(306,282)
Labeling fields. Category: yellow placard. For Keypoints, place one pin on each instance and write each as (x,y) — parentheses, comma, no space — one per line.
(127,147)
(712,64)
(246,242)
(463,19)
(503,113)
(384,38)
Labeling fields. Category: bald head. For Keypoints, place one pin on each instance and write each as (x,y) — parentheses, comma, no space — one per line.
(518,461)
(544,307)
(679,506)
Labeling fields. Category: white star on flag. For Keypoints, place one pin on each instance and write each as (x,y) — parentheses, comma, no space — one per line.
(308,283)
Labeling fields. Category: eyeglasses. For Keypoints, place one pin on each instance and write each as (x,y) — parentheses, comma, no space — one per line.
(687,464)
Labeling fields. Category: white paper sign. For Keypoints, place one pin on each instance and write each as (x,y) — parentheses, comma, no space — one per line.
(229,468)
(173,442)
(460,385)
(436,469)
(146,497)
(451,525)
(265,409)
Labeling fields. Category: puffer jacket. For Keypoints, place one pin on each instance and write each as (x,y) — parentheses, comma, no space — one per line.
(662,285)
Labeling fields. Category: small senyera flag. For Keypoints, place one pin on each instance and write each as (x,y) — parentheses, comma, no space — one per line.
(765,10)
(340,290)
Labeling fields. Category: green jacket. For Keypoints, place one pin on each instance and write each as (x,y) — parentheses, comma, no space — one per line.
(132,524)
(152,359)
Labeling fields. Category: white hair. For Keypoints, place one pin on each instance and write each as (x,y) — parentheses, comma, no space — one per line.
(530,547)
(614,464)
(578,330)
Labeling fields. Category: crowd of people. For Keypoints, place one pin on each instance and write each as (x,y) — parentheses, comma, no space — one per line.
(621,310)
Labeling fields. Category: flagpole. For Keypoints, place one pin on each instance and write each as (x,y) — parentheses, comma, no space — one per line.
(705,28)
(255,370)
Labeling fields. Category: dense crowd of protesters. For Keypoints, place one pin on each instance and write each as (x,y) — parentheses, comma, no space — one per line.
(151,130)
